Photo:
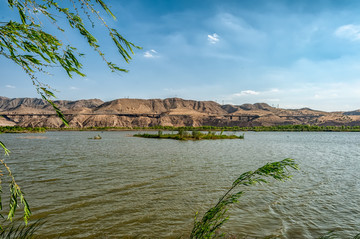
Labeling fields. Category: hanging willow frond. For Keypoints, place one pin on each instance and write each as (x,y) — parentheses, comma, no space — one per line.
(26,43)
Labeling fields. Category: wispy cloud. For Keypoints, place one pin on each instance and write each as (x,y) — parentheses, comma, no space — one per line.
(246,92)
(10,86)
(274,90)
(351,32)
(323,96)
(150,54)
(73,88)
(237,30)
(214,38)
(273,95)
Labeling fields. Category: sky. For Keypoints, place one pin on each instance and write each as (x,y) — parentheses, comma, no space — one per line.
(288,54)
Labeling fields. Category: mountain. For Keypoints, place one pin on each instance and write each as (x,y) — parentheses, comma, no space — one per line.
(355,112)
(33,112)
(158,106)
(39,105)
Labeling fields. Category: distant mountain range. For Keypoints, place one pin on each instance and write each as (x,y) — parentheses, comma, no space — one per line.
(33,112)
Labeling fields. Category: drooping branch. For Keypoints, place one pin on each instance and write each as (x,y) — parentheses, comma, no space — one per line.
(215,217)
(27,44)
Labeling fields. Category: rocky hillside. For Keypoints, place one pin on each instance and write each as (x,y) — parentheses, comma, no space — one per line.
(156,106)
(34,105)
(167,112)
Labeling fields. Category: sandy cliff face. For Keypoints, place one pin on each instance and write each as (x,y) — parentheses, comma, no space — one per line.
(158,106)
(34,105)
(168,112)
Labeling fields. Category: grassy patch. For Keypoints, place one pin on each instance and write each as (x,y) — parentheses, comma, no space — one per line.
(18,129)
(194,135)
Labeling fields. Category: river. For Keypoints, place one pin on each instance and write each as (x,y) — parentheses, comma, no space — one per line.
(129,187)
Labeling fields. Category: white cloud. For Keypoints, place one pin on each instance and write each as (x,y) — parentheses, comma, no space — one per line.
(214,38)
(73,88)
(238,32)
(274,90)
(273,96)
(150,54)
(351,32)
(246,92)
(10,86)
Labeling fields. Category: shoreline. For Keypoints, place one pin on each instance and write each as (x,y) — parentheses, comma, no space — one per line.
(279,128)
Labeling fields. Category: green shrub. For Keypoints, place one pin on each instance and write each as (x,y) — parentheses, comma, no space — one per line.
(215,217)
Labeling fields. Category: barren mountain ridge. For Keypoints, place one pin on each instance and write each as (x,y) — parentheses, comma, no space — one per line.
(33,112)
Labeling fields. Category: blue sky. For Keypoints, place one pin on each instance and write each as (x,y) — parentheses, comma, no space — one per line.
(290,54)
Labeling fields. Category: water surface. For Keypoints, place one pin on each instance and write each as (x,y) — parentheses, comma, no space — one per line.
(129,187)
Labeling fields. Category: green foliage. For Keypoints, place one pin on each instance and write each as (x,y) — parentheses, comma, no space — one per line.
(295,128)
(19,129)
(184,135)
(312,128)
(16,195)
(17,230)
(196,134)
(29,46)
(5,149)
(215,217)
(26,43)
(46,97)
(212,129)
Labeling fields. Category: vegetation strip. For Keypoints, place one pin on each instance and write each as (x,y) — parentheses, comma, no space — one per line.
(287,128)
(18,129)
(185,135)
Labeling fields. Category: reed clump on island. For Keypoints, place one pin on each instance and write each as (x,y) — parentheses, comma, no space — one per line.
(194,135)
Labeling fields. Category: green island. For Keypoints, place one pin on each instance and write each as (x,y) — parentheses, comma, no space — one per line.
(185,135)
(285,128)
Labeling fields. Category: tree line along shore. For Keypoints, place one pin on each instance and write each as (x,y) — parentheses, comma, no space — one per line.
(286,128)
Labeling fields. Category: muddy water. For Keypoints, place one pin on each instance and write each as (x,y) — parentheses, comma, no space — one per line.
(127,187)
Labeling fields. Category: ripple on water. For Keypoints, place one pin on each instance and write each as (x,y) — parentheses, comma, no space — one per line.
(132,187)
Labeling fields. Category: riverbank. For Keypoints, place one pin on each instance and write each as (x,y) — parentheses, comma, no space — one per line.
(18,129)
(284,128)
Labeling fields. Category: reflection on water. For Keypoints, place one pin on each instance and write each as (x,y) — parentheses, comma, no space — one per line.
(129,187)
